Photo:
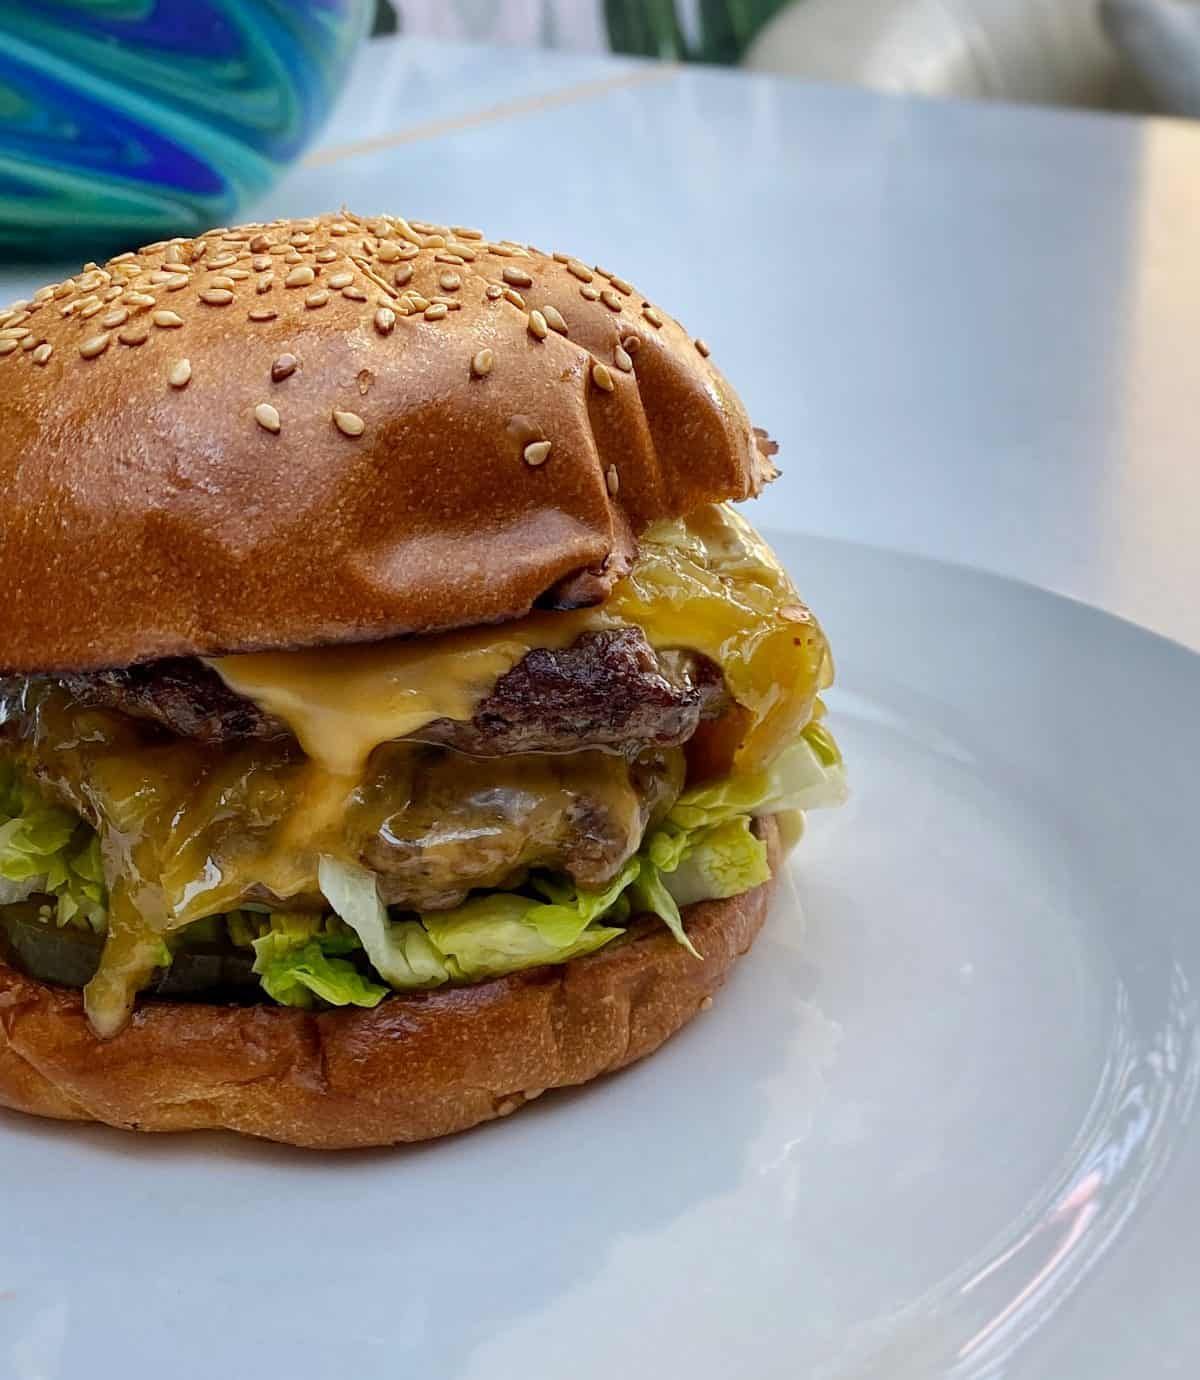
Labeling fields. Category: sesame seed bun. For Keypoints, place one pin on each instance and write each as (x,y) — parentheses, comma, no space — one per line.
(417,1066)
(337,429)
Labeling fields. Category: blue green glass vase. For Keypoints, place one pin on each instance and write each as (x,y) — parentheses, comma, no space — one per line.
(123,121)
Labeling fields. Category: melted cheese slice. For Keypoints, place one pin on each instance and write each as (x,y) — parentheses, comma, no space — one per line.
(343,702)
(709,584)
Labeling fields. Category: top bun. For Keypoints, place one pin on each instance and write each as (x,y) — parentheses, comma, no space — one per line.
(337,429)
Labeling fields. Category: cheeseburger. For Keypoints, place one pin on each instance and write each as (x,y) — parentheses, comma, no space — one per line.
(397,720)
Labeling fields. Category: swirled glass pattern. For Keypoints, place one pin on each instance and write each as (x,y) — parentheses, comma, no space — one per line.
(126,120)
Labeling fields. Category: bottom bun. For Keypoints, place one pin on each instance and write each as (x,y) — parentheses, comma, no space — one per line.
(418,1065)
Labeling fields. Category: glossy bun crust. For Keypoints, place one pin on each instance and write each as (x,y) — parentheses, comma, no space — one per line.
(335,429)
(417,1066)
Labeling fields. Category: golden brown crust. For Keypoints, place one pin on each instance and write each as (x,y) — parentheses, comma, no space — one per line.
(153,506)
(417,1066)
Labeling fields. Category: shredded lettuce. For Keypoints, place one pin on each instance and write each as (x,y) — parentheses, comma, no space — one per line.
(401,952)
(45,850)
(803,777)
(723,860)
(296,960)
(487,936)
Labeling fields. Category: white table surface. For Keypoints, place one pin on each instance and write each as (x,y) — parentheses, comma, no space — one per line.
(973,328)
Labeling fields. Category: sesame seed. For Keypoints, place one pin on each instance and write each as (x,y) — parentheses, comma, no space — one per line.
(174,253)
(449,282)
(652,315)
(416,302)
(223,261)
(408,251)
(167,319)
(125,258)
(349,423)
(591,293)
(267,417)
(494,292)
(702,347)
(402,275)
(8,346)
(795,613)
(91,309)
(95,345)
(389,252)
(283,368)
(434,242)
(112,319)
(610,299)
(385,320)
(14,333)
(160,276)
(631,343)
(30,343)
(603,272)
(264,283)
(435,311)
(262,314)
(466,232)
(444,256)
(622,360)
(560,258)
(260,263)
(259,244)
(317,299)
(278,249)
(458,251)
(300,239)
(620,284)
(67,288)
(326,255)
(136,334)
(355,294)
(43,352)
(481,363)
(179,373)
(43,294)
(340,280)
(138,299)
(537,324)
(237,275)
(217,297)
(516,276)
(513,296)
(302,276)
(706,1004)
(602,378)
(554,319)
(536,452)
(581,271)
(612,480)
(293,256)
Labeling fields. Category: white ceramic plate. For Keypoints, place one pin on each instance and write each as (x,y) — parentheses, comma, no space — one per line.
(937,1124)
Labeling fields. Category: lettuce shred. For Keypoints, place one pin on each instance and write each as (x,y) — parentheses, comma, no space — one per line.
(49,851)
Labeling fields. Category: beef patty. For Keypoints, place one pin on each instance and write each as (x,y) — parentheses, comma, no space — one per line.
(608,689)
